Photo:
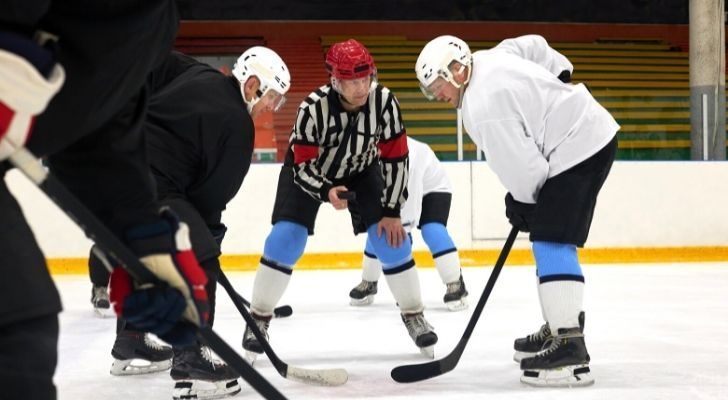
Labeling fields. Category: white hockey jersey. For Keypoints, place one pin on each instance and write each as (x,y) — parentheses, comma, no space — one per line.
(530,125)
(426,175)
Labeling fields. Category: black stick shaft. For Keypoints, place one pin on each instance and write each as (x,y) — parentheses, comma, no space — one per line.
(111,245)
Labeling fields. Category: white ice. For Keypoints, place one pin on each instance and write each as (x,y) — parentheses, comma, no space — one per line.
(653,331)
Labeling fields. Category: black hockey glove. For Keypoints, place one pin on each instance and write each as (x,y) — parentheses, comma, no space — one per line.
(218,232)
(520,215)
(565,76)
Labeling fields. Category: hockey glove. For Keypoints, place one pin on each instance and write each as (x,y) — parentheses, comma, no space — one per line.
(29,78)
(565,76)
(520,215)
(218,232)
(172,308)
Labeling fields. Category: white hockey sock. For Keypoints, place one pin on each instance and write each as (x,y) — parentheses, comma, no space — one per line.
(405,287)
(448,266)
(538,288)
(268,289)
(371,268)
(562,302)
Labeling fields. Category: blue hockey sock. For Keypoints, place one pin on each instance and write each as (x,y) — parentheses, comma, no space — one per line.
(437,238)
(556,261)
(285,243)
(393,259)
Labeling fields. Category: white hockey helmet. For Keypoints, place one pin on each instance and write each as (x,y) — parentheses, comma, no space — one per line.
(435,59)
(266,65)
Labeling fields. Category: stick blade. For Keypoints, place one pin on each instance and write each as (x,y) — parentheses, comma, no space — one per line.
(321,377)
(283,311)
(418,372)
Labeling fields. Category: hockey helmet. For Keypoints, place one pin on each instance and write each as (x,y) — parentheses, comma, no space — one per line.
(435,59)
(266,65)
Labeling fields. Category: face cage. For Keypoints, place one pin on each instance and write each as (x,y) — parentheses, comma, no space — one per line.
(428,91)
(276,99)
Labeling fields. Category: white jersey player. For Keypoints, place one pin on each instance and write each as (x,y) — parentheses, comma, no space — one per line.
(427,208)
(552,145)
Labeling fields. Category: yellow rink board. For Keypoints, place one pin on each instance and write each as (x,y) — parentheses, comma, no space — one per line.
(469,258)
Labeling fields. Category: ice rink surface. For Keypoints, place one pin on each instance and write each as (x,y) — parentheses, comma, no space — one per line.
(656,331)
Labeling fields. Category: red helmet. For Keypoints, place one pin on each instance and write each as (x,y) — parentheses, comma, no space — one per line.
(349,60)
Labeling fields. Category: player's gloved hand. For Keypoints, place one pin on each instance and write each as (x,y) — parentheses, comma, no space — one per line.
(520,215)
(218,232)
(565,76)
(29,78)
(173,307)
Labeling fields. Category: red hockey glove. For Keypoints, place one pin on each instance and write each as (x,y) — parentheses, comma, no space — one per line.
(174,308)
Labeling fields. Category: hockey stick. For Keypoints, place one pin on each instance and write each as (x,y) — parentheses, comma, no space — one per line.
(278,312)
(419,372)
(95,230)
(323,377)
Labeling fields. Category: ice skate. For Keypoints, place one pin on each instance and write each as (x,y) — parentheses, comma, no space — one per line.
(530,345)
(563,363)
(198,375)
(136,353)
(421,333)
(100,301)
(250,343)
(363,293)
(456,297)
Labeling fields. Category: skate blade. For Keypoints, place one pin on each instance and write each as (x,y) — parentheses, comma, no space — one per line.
(428,351)
(250,356)
(138,367)
(571,376)
(457,305)
(204,390)
(104,312)
(362,302)
(520,355)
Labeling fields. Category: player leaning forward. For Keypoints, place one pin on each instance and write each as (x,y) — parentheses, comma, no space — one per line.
(348,136)
(551,145)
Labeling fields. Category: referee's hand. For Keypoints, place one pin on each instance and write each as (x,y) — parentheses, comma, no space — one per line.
(339,204)
(394,230)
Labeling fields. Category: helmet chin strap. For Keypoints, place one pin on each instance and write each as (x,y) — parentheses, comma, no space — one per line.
(461,87)
(249,103)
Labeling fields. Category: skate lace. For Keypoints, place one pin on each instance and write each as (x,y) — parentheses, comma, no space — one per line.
(207,355)
(262,327)
(416,324)
(555,342)
(152,344)
(100,293)
(453,287)
(364,286)
(542,334)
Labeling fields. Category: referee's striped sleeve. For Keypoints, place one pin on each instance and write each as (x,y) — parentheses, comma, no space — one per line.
(306,171)
(394,157)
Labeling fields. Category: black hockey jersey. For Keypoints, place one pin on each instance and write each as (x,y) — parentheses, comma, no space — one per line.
(199,133)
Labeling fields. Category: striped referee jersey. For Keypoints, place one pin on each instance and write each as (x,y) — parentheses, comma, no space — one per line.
(331,144)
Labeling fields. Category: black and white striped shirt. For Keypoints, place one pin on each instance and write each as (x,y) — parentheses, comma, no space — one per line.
(330,144)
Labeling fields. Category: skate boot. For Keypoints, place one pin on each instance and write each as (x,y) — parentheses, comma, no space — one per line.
(136,353)
(250,343)
(100,301)
(198,375)
(530,345)
(363,293)
(456,297)
(564,362)
(421,333)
